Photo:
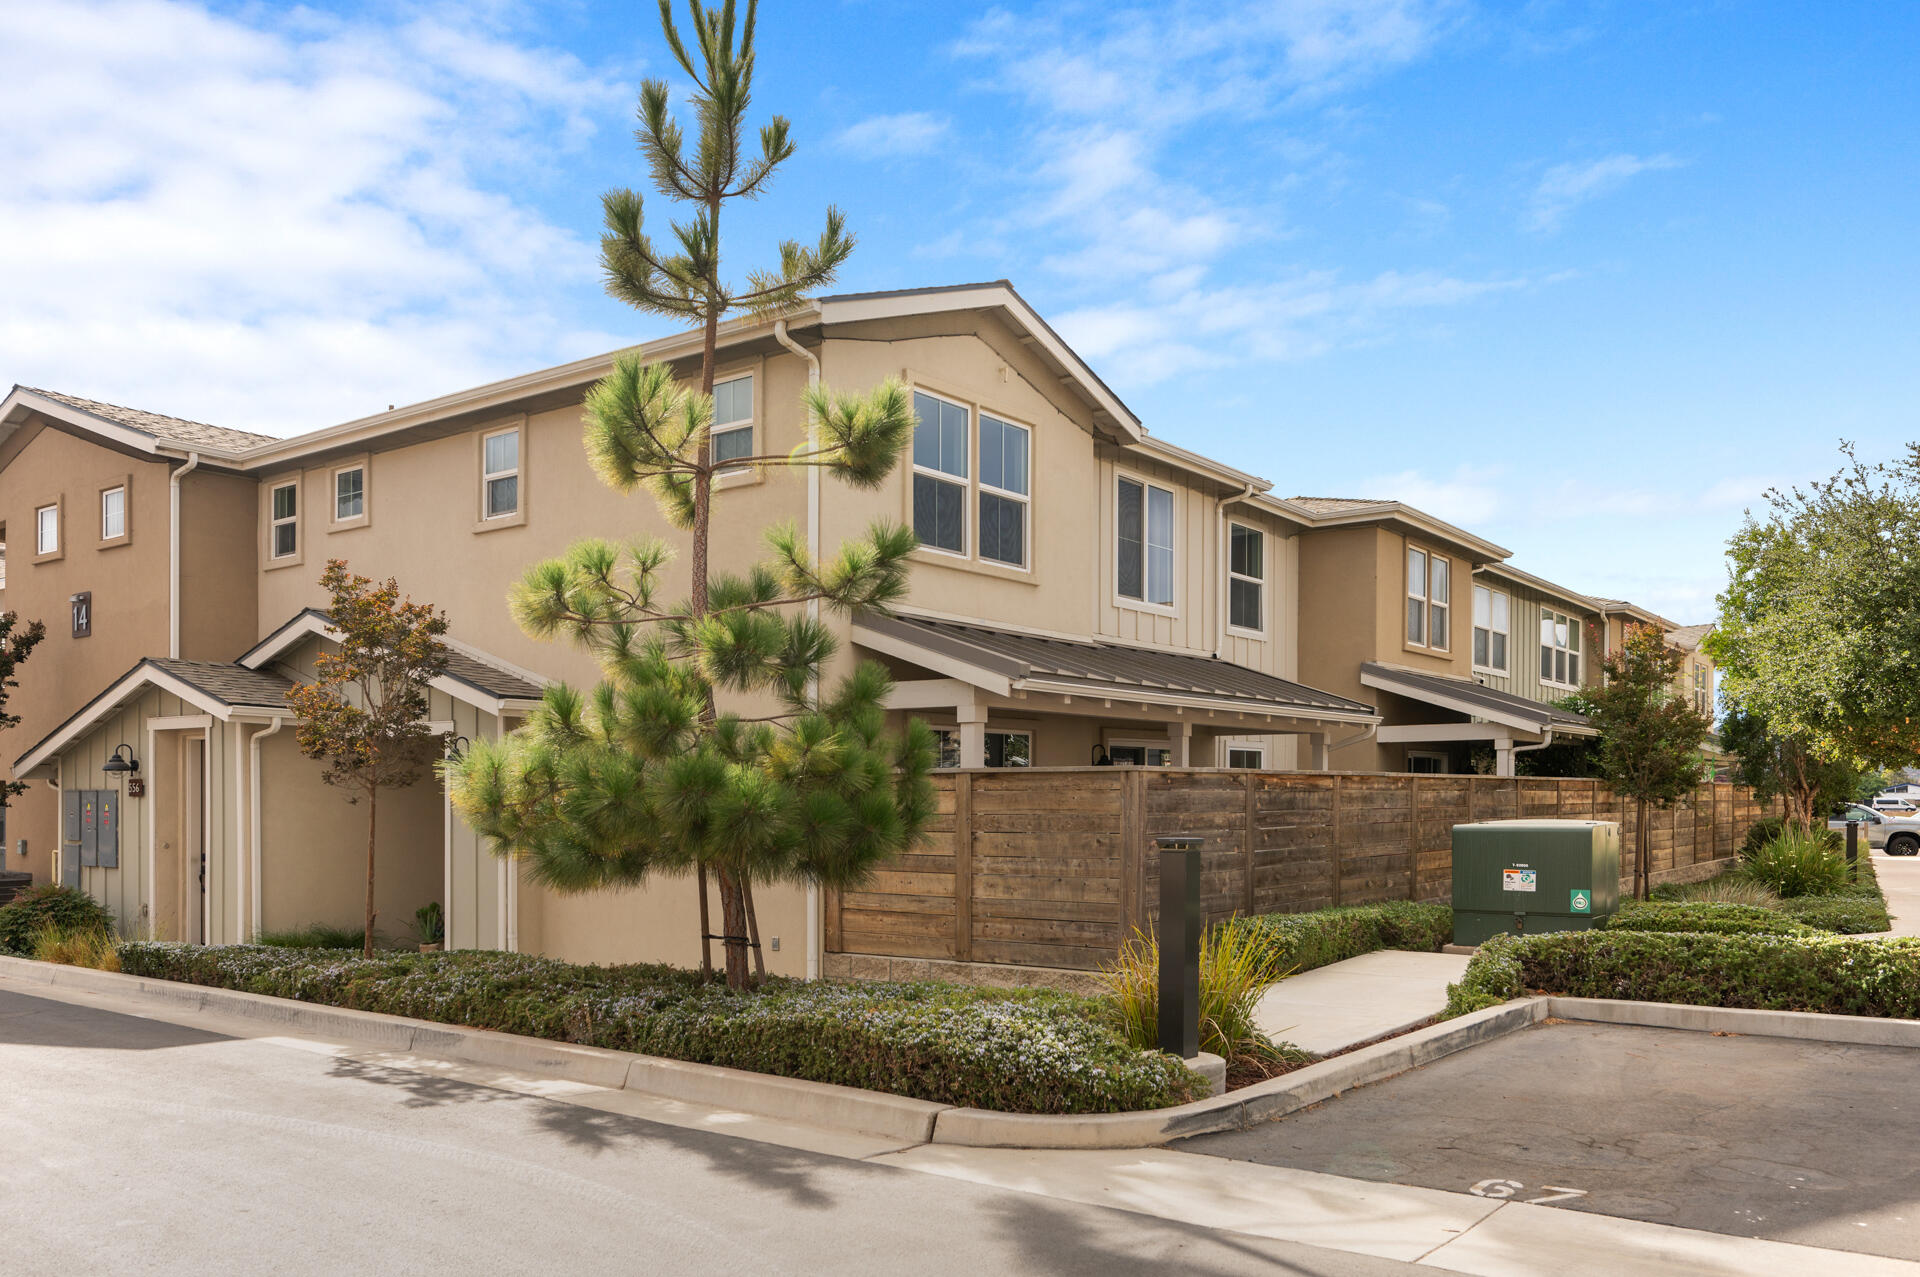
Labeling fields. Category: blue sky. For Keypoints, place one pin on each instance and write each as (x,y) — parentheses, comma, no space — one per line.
(1586,278)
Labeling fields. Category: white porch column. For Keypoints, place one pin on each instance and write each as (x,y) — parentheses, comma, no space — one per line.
(1179,740)
(972,718)
(1317,758)
(1503,757)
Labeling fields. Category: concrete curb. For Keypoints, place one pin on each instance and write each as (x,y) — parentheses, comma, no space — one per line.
(1809,1026)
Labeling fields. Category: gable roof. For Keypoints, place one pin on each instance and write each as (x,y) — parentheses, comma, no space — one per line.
(1335,511)
(1011,661)
(1540,583)
(1464,696)
(1687,637)
(471,675)
(221,690)
(128,428)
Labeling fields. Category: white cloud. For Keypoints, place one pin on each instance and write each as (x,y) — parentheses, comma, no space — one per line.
(1471,497)
(1565,187)
(284,225)
(880,136)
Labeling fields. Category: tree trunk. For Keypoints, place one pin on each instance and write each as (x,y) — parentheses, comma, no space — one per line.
(373,824)
(706,926)
(753,931)
(733,918)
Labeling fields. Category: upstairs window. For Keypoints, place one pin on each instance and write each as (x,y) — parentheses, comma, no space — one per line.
(940,473)
(1492,626)
(349,493)
(1003,491)
(113,514)
(500,474)
(1246,577)
(1429,600)
(732,433)
(1702,690)
(1144,534)
(1559,649)
(46,530)
(283,536)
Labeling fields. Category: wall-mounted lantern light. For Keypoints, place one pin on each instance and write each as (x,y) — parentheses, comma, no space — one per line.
(457,747)
(117,763)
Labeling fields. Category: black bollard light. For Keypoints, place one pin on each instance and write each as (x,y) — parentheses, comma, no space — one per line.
(1180,944)
(1853,849)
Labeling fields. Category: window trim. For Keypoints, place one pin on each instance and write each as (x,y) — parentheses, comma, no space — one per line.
(59,551)
(1476,627)
(1258,581)
(1426,600)
(493,430)
(363,464)
(967,483)
(125,488)
(953,729)
(982,488)
(1143,743)
(1141,604)
(1573,631)
(1444,760)
(751,424)
(1258,751)
(298,553)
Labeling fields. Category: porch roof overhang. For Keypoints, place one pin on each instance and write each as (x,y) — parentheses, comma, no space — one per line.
(222,691)
(472,676)
(1006,663)
(1482,705)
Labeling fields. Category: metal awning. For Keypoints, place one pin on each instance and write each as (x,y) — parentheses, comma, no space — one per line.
(1464,696)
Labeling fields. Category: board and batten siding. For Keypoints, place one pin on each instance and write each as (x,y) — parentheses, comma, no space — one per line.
(124,889)
(1523,650)
(477,893)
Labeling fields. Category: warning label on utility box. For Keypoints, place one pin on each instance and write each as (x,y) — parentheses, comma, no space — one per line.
(1519,880)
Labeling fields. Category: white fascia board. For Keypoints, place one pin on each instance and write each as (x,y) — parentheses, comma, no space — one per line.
(301,627)
(488,658)
(112,699)
(1428,696)
(973,675)
(1152,696)
(1425,733)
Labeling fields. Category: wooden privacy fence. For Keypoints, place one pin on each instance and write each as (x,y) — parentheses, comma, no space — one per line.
(1053,867)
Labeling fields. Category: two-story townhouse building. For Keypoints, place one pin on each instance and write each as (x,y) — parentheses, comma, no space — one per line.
(1083,593)
(1694,681)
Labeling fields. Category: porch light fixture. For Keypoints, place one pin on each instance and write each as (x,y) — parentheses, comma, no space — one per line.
(457,747)
(116,764)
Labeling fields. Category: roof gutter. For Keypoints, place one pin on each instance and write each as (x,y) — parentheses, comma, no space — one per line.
(173,553)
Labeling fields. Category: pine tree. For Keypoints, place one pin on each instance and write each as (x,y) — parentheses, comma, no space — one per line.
(645,775)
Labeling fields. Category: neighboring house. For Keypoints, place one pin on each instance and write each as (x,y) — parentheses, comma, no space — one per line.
(1694,680)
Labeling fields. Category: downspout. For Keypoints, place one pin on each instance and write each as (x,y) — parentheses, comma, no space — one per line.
(781,335)
(1225,582)
(173,553)
(1359,738)
(253,838)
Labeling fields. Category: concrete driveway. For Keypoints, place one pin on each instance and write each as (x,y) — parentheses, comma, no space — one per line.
(1806,1142)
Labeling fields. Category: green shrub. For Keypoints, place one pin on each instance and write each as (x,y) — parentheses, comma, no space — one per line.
(1846,915)
(317,935)
(1303,941)
(1723,919)
(1832,974)
(1236,966)
(1028,1051)
(1491,978)
(1798,863)
(48,905)
(1760,833)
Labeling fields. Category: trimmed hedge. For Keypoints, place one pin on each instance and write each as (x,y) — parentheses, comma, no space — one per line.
(1023,1051)
(1303,941)
(48,905)
(1843,915)
(1831,974)
(1723,919)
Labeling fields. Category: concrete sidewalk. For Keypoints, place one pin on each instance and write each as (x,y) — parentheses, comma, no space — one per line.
(1333,1008)
(1900,884)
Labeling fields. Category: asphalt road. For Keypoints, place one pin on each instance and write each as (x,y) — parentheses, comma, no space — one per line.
(1816,1143)
(133,1145)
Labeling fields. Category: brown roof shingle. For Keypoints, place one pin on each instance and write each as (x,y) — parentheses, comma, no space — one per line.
(172,429)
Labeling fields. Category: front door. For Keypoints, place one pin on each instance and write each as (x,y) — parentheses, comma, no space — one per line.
(193,842)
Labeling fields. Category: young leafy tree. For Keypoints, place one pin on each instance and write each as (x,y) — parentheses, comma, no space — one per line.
(1649,743)
(365,713)
(16,644)
(1786,767)
(645,774)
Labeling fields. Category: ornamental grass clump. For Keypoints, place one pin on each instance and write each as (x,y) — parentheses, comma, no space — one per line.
(1237,963)
(84,946)
(1797,863)
(48,905)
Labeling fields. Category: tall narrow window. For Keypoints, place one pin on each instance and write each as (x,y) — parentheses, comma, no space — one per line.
(1003,491)
(1144,542)
(1492,610)
(284,531)
(1246,576)
(1702,690)
(1559,649)
(46,530)
(1429,600)
(1417,596)
(732,435)
(349,494)
(1439,603)
(113,514)
(500,474)
(940,473)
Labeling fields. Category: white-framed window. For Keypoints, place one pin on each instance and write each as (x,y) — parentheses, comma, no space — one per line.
(1004,748)
(349,493)
(46,530)
(1702,689)
(1005,488)
(1426,763)
(1246,577)
(940,473)
(1248,757)
(1143,524)
(1429,600)
(113,514)
(732,433)
(1492,628)
(500,474)
(283,530)
(1559,649)
(1139,754)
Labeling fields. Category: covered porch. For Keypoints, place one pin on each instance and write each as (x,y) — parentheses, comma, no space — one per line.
(1442,713)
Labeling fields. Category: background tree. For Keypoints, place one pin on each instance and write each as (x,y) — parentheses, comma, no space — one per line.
(1649,742)
(16,644)
(364,715)
(645,774)
(1786,767)
(1819,630)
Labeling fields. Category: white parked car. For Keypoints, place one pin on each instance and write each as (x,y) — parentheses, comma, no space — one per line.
(1898,834)
(1896,805)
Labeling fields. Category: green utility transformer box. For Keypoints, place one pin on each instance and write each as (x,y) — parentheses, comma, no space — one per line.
(1524,876)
